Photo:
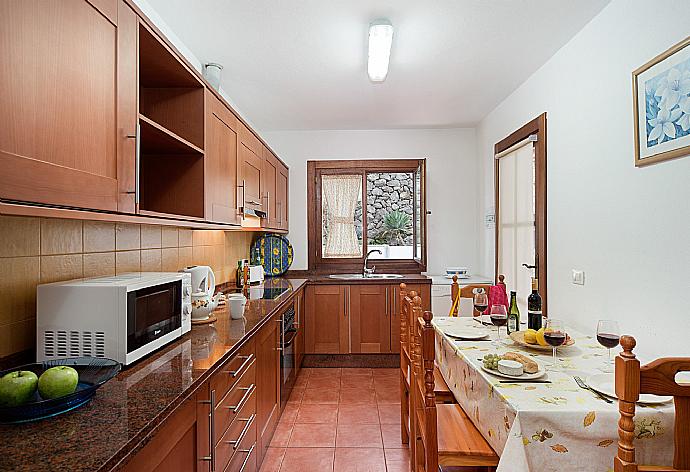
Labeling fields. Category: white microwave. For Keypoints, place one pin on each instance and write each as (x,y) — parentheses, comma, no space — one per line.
(123,317)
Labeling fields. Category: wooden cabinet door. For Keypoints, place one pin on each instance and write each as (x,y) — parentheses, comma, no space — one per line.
(174,446)
(58,127)
(250,165)
(282,184)
(370,321)
(267,384)
(326,319)
(221,162)
(268,186)
(299,340)
(424,291)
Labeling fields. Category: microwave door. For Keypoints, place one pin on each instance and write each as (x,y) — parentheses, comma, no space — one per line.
(153,312)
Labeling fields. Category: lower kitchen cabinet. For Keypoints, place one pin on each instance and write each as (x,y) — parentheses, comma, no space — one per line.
(424,291)
(326,319)
(370,320)
(268,384)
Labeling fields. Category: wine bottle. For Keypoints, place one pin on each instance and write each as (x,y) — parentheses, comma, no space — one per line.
(534,307)
(513,314)
(239,274)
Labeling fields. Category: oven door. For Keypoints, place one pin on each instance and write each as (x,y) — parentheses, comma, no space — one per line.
(287,365)
(153,312)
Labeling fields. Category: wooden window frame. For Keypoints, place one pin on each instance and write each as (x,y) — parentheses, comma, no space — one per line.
(536,126)
(315,169)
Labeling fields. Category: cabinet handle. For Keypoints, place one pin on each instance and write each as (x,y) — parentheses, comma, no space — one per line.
(137,161)
(248,360)
(236,442)
(268,205)
(387,301)
(345,302)
(248,393)
(249,454)
(244,194)
(280,212)
(253,202)
(211,426)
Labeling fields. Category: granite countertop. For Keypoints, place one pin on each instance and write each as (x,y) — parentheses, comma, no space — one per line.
(406,278)
(113,425)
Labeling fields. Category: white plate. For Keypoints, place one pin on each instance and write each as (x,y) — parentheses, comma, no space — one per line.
(605,383)
(538,374)
(465,332)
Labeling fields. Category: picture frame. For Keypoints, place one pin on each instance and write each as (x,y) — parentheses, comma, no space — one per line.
(661,106)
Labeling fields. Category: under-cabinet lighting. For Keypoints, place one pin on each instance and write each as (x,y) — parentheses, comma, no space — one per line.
(380,42)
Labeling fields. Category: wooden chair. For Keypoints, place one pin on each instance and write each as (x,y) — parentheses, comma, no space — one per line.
(467,291)
(657,378)
(409,302)
(443,433)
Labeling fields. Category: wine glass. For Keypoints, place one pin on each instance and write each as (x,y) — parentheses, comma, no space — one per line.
(499,317)
(608,335)
(554,335)
(481,302)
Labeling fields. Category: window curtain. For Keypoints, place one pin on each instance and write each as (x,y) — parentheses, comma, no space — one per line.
(341,194)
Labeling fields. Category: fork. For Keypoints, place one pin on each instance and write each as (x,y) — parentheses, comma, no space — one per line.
(582,384)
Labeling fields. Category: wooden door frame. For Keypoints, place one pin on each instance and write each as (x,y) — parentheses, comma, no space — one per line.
(536,126)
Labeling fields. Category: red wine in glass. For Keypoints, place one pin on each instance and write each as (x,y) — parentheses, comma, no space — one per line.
(481,308)
(554,338)
(608,340)
(499,320)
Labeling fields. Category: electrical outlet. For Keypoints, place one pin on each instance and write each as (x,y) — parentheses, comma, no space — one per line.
(578,277)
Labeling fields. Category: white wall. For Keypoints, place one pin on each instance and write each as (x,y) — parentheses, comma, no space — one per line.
(452,187)
(628,228)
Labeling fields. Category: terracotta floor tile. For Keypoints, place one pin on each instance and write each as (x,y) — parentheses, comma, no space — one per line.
(358,435)
(325,372)
(379,373)
(323,382)
(357,381)
(296,395)
(308,459)
(398,466)
(273,459)
(356,371)
(391,436)
(317,413)
(388,396)
(281,437)
(301,380)
(321,395)
(397,455)
(356,413)
(289,413)
(357,395)
(389,413)
(312,435)
(359,460)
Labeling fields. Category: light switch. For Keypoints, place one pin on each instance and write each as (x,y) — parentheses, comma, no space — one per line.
(578,277)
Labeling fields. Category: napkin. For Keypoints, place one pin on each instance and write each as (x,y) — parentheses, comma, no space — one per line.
(498,296)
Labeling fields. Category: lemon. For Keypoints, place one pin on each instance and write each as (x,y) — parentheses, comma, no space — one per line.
(540,338)
(531,336)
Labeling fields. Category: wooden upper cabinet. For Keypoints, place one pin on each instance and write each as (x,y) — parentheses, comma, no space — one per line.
(282,185)
(221,162)
(58,127)
(268,180)
(370,321)
(249,168)
(326,320)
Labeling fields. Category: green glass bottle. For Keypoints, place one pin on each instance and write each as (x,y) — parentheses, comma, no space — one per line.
(513,314)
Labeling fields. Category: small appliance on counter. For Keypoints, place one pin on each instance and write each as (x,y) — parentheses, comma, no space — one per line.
(123,317)
(248,274)
(461,272)
(203,285)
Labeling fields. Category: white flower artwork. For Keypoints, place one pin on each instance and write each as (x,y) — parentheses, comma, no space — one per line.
(662,94)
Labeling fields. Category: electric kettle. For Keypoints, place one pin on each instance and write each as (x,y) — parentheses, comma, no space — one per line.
(203,286)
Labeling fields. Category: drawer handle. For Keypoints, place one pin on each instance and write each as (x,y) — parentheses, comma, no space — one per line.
(245,397)
(248,360)
(236,442)
(211,427)
(249,454)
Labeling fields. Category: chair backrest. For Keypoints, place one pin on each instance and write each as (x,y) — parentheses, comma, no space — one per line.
(657,378)
(406,304)
(467,291)
(425,438)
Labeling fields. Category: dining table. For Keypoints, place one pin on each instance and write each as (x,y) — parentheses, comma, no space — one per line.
(551,424)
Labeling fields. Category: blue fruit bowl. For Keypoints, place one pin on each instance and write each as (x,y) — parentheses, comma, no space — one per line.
(93,372)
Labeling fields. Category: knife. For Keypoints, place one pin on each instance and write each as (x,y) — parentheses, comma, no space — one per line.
(536,381)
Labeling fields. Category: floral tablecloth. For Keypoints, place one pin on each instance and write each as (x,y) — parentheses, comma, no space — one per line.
(547,427)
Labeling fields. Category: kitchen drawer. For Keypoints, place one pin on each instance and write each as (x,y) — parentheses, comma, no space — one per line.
(242,429)
(242,394)
(233,369)
(245,457)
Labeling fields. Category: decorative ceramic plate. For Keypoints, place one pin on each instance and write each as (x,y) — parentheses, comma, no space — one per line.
(93,372)
(275,253)
(519,338)
(605,383)
(538,374)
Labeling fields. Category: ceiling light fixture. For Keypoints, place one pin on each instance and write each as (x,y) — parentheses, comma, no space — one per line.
(380,41)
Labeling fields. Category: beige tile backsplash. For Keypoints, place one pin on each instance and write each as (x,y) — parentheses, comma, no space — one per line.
(42,250)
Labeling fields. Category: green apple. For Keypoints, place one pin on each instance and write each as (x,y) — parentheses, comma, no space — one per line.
(57,382)
(16,388)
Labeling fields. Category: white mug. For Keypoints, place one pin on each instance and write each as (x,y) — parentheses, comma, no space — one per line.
(236,302)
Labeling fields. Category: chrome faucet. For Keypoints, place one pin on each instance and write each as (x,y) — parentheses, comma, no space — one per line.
(367,272)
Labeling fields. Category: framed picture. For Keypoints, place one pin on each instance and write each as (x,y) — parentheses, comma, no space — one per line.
(661,96)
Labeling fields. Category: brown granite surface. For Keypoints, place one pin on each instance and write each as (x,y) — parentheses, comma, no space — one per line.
(407,278)
(119,420)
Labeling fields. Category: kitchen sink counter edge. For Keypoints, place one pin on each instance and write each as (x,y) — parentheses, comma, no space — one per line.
(406,278)
(127,411)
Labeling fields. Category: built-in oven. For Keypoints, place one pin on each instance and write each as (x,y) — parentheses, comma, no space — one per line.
(288,333)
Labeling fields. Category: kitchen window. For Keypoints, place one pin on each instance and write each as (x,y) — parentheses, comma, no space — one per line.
(362,205)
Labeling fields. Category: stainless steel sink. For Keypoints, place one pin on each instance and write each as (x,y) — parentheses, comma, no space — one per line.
(360,276)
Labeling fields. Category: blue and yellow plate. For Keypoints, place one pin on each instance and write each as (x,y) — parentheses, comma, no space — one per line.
(275,253)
